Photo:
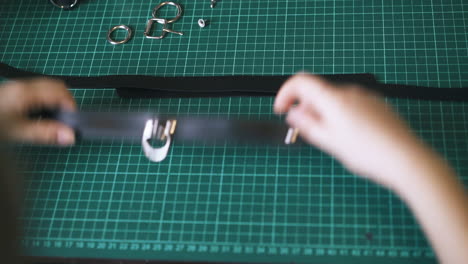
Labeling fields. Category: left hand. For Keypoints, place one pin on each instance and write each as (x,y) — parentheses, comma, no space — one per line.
(18,98)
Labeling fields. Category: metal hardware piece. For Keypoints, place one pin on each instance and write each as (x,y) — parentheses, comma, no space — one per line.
(213,3)
(291,136)
(127,38)
(203,23)
(163,21)
(155,128)
(169,21)
(149,26)
(64,4)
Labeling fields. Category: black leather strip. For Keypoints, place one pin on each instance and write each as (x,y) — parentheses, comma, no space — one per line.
(129,126)
(140,86)
(221,130)
(103,125)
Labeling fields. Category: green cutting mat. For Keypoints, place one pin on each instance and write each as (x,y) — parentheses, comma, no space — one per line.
(233,203)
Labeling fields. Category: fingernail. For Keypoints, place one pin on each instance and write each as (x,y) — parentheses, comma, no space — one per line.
(65,137)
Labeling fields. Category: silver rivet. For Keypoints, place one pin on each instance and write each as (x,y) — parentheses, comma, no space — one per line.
(213,3)
(202,23)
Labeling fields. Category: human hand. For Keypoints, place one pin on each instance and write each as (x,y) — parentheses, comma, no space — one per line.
(18,98)
(352,124)
(364,133)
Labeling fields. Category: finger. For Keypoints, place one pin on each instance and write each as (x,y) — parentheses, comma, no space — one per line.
(309,125)
(301,88)
(49,93)
(44,132)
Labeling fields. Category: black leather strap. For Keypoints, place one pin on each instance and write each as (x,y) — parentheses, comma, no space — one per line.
(129,126)
(140,86)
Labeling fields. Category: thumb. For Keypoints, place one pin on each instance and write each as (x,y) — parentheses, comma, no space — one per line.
(45,132)
(309,125)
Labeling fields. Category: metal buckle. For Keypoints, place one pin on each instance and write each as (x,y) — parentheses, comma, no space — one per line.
(149,25)
(162,21)
(155,128)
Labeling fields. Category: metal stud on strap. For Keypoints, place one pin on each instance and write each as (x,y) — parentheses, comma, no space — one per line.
(291,136)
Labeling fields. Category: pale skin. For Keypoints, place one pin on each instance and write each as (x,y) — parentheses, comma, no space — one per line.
(365,134)
(353,125)
(19,97)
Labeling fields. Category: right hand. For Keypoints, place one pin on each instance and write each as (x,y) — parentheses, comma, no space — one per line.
(352,124)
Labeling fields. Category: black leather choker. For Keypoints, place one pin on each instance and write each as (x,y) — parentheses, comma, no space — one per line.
(140,86)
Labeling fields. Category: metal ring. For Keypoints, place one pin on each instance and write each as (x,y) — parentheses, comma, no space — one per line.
(169,21)
(69,6)
(127,38)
